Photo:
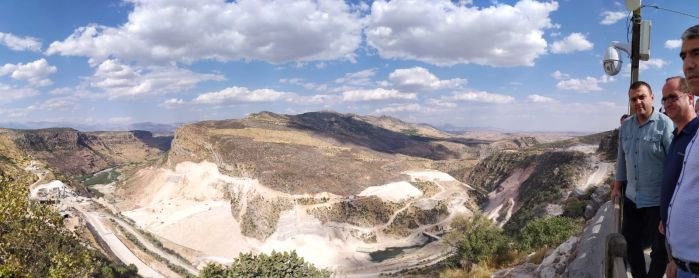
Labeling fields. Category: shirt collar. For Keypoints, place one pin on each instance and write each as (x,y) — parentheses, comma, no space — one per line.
(691,127)
(654,116)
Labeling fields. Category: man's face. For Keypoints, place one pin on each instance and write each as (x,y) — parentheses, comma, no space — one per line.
(677,104)
(690,56)
(642,101)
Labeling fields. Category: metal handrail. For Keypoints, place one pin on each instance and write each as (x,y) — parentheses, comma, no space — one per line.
(614,261)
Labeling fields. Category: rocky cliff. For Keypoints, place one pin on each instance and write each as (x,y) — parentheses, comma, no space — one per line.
(73,153)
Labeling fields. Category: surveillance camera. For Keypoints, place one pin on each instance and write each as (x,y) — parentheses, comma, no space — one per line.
(612,62)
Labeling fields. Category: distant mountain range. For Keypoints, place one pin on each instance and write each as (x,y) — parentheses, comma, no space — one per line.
(147,126)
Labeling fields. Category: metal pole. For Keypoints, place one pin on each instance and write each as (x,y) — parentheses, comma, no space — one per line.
(635,44)
(635,48)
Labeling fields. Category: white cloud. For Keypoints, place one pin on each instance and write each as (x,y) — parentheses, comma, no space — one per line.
(61,91)
(442,102)
(35,73)
(173,103)
(119,80)
(273,31)
(540,99)
(412,107)
(420,79)
(237,95)
(672,44)
(571,43)
(651,63)
(607,104)
(360,78)
(612,17)
(588,84)
(482,97)
(442,33)
(316,99)
(10,93)
(376,94)
(558,75)
(20,43)
(60,103)
(304,84)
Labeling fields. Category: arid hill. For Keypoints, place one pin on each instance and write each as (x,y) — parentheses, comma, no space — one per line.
(75,153)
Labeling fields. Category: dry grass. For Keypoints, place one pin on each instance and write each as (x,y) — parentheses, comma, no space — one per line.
(476,272)
(539,255)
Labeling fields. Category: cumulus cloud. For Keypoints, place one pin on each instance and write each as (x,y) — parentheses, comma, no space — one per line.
(173,103)
(10,93)
(119,80)
(437,31)
(571,43)
(304,84)
(20,43)
(481,97)
(607,104)
(588,84)
(558,75)
(412,107)
(612,17)
(316,99)
(651,63)
(59,103)
(360,78)
(376,95)
(540,99)
(35,73)
(238,95)
(420,79)
(672,44)
(161,31)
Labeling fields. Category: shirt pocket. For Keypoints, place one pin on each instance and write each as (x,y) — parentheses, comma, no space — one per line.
(653,145)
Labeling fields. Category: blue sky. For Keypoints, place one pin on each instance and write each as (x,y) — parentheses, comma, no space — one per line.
(515,65)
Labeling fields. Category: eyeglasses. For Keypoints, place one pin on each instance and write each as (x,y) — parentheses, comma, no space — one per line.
(669,99)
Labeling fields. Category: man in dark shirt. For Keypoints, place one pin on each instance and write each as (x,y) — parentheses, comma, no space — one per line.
(678,102)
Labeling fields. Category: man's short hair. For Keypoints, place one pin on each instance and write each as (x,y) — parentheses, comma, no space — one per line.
(684,86)
(691,33)
(638,84)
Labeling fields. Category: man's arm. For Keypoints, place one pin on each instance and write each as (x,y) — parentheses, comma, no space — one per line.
(616,190)
(620,169)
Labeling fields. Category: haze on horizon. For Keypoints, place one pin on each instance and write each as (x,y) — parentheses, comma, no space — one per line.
(514,65)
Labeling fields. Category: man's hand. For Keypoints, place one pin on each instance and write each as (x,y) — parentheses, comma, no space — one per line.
(661,228)
(671,270)
(616,190)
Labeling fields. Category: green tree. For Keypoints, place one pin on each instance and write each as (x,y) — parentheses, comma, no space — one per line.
(477,240)
(33,241)
(263,265)
(549,231)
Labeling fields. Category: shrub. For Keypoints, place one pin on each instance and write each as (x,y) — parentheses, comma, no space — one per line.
(263,265)
(34,243)
(477,241)
(549,232)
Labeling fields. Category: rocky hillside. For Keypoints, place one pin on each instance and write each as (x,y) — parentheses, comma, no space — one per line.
(313,152)
(74,153)
(516,186)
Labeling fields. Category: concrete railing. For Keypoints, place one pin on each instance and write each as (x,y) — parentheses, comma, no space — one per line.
(614,265)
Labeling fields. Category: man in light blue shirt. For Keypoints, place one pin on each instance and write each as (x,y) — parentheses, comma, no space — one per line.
(682,228)
(644,140)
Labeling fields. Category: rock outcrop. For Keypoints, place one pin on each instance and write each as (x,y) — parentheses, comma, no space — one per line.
(74,153)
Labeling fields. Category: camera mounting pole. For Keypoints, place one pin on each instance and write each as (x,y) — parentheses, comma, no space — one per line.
(635,44)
